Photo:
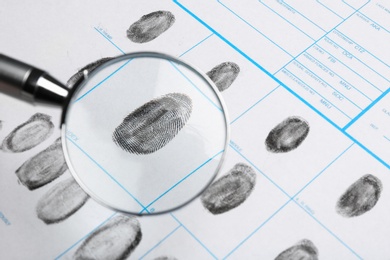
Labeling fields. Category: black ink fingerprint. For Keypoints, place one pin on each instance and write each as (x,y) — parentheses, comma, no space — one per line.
(165,258)
(114,240)
(43,167)
(150,26)
(360,197)
(29,134)
(287,135)
(154,124)
(230,190)
(224,74)
(89,68)
(61,201)
(303,250)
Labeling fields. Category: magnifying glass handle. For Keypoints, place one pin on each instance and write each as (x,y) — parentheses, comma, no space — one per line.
(26,82)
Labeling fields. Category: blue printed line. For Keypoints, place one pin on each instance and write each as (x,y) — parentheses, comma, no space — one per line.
(320,173)
(296,27)
(310,182)
(359,75)
(201,92)
(196,44)
(367,150)
(329,9)
(251,107)
(326,82)
(189,232)
(106,172)
(355,57)
(372,20)
(184,178)
(101,82)
(109,40)
(315,42)
(162,240)
(277,45)
(317,92)
(342,77)
(349,5)
(255,63)
(261,172)
(304,16)
(290,199)
(257,229)
(365,110)
(307,103)
(377,58)
(281,83)
(84,237)
(387,138)
(329,231)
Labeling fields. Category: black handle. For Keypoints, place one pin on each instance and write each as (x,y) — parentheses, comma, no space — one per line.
(24,81)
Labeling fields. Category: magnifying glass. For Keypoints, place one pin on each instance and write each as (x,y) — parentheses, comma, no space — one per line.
(143,133)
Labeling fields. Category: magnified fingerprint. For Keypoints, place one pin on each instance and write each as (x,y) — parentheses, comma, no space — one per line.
(303,250)
(150,26)
(165,258)
(43,168)
(224,74)
(1,124)
(90,67)
(287,135)
(114,240)
(29,134)
(154,124)
(61,201)
(360,197)
(230,190)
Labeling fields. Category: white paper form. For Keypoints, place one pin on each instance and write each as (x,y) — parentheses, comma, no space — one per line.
(316,51)
(323,61)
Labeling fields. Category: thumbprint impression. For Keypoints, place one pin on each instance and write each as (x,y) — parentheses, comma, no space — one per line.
(287,135)
(114,240)
(360,197)
(230,190)
(29,134)
(154,124)
(224,74)
(303,250)
(61,201)
(43,168)
(150,26)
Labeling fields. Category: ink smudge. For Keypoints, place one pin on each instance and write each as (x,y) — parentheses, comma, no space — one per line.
(224,74)
(165,258)
(114,240)
(43,168)
(287,135)
(1,124)
(29,134)
(61,201)
(303,250)
(150,26)
(89,68)
(230,190)
(154,124)
(360,197)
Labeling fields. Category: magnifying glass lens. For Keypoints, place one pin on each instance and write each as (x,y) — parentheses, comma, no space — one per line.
(145,134)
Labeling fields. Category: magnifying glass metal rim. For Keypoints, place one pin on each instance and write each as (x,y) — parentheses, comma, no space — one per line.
(79,85)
